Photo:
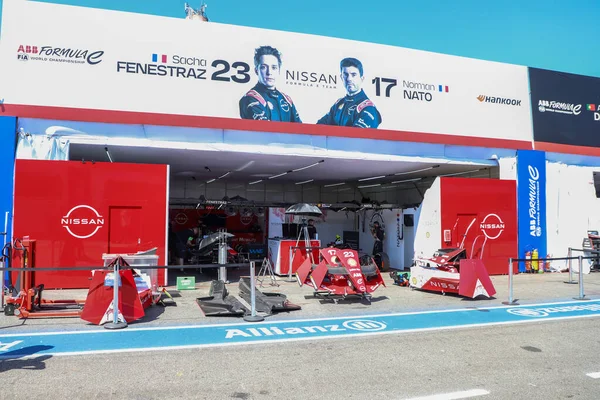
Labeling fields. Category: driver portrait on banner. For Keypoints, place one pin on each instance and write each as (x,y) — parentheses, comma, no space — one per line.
(354,109)
(264,101)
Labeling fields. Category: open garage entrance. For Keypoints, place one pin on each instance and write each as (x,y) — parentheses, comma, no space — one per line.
(237,189)
(244,181)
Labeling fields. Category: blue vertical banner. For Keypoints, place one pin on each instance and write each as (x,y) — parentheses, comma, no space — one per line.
(531,204)
(8,129)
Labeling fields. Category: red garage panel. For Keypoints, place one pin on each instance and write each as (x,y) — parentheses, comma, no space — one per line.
(483,212)
(77,211)
(125,229)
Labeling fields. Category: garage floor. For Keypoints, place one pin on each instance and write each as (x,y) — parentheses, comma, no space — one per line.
(528,289)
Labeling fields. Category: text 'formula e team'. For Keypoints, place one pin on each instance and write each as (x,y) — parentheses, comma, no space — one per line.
(265,102)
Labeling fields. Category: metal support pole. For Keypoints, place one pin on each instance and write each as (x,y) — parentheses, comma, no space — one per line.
(292,250)
(222,256)
(581,295)
(511,301)
(116,324)
(4,262)
(570,254)
(253,317)
(5,233)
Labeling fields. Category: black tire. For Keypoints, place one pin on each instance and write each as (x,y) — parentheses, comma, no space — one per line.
(384,264)
(9,309)
(369,270)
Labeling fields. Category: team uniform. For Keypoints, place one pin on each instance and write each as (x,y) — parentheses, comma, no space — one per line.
(379,237)
(261,103)
(357,111)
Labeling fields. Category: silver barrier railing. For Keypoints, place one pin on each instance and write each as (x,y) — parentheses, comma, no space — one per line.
(571,250)
(116,324)
(512,301)
(253,317)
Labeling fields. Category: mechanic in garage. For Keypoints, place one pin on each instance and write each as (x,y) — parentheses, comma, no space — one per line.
(183,243)
(378,234)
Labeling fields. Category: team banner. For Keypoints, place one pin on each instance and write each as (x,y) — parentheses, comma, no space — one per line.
(565,108)
(115,61)
(531,205)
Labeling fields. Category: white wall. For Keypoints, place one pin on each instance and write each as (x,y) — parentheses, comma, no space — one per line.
(428,236)
(508,168)
(409,239)
(276,218)
(572,207)
(391,245)
(334,223)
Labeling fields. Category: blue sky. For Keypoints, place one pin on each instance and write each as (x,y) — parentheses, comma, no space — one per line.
(562,35)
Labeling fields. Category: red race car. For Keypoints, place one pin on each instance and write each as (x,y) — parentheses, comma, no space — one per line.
(339,274)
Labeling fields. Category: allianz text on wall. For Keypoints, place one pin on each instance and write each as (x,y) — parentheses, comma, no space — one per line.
(565,111)
(204,74)
(531,203)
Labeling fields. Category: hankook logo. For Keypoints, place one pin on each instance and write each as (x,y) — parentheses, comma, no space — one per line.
(498,100)
(82,221)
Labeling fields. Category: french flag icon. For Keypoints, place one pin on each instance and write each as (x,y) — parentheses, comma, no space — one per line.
(443,88)
(162,58)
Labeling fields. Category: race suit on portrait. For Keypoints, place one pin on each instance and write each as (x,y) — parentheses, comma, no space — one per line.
(261,103)
(355,110)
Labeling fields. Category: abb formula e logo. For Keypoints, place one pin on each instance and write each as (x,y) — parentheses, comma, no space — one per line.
(82,221)
(492,226)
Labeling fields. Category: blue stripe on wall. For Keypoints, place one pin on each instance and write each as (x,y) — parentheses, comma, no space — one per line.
(8,127)
(574,159)
(234,137)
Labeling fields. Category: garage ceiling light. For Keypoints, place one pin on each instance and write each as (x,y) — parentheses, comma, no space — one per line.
(370,179)
(417,170)
(368,186)
(243,167)
(108,154)
(186,173)
(462,173)
(407,180)
(255,182)
(303,182)
(308,166)
(278,175)
(222,176)
(335,184)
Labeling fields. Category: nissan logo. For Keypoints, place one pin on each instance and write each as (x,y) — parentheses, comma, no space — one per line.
(82,221)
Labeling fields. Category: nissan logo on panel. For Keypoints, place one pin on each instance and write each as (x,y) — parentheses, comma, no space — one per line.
(82,221)
(492,226)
